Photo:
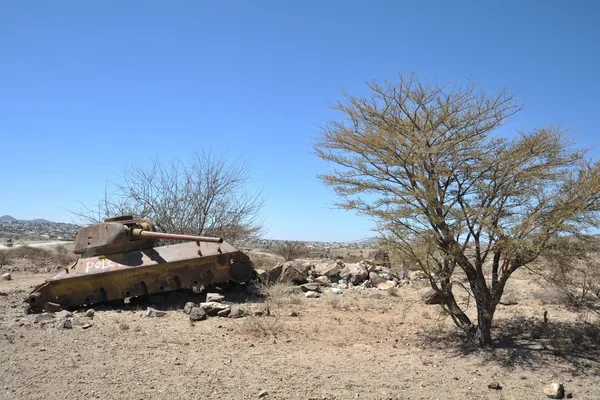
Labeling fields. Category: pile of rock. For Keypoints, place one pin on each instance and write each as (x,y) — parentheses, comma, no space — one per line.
(338,275)
(212,307)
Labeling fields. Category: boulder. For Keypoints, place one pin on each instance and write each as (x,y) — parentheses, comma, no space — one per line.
(327,268)
(65,324)
(197,314)
(433,297)
(293,272)
(274,273)
(262,275)
(7,276)
(237,312)
(354,273)
(308,287)
(323,280)
(375,278)
(43,317)
(312,295)
(90,313)
(336,290)
(64,314)
(212,307)
(188,307)
(215,297)
(224,313)
(555,390)
(154,313)
(387,285)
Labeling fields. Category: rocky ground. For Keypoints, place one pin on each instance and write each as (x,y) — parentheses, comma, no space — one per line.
(358,341)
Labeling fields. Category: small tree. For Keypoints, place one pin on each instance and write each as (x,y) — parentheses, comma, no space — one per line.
(450,193)
(291,250)
(205,196)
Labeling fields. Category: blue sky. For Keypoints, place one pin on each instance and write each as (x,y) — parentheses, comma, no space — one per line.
(87,88)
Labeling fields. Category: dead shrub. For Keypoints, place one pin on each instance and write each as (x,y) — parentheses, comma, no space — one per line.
(291,250)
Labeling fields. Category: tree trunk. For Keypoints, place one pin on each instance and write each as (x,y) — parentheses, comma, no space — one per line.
(484,326)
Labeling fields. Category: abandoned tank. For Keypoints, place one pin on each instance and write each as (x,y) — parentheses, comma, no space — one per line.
(119,259)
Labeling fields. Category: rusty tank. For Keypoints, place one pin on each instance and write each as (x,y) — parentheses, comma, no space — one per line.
(119,259)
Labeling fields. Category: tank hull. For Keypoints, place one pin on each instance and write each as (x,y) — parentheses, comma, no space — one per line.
(152,270)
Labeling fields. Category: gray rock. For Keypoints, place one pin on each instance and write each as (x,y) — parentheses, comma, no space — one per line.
(494,385)
(555,390)
(327,268)
(336,290)
(86,326)
(212,307)
(433,297)
(310,287)
(224,313)
(215,297)
(197,314)
(153,313)
(354,273)
(90,313)
(262,275)
(7,276)
(65,324)
(323,280)
(342,285)
(237,312)
(387,285)
(311,294)
(188,307)
(375,278)
(64,314)
(43,317)
(275,273)
(262,393)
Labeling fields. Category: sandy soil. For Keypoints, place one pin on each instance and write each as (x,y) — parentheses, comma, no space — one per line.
(364,344)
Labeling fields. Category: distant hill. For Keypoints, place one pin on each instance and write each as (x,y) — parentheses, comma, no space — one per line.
(41,221)
(7,218)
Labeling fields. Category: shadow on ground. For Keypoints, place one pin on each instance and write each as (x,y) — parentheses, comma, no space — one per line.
(530,343)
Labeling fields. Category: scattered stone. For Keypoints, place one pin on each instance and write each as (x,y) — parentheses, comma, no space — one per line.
(64,314)
(237,312)
(65,324)
(224,313)
(312,294)
(197,314)
(336,290)
(387,285)
(342,285)
(555,391)
(43,317)
(294,314)
(7,276)
(569,395)
(90,313)
(153,313)
(215,297)
(310,287)
(262,393)
(293,272)
(433,297)
(88,325)
(494,386)
(212,307)
(188,307)
(417,275)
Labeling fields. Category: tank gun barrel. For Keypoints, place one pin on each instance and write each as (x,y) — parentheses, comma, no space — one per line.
(158,235)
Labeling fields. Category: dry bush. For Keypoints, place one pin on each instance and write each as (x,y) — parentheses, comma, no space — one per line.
(5,257)
(291,250)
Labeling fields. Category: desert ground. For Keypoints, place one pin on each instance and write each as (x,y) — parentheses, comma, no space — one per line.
(360,343)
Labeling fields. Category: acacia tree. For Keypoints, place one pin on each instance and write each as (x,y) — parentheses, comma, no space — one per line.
(452,194)
(206,195)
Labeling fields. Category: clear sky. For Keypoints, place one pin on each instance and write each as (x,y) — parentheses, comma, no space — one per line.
(87,88)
